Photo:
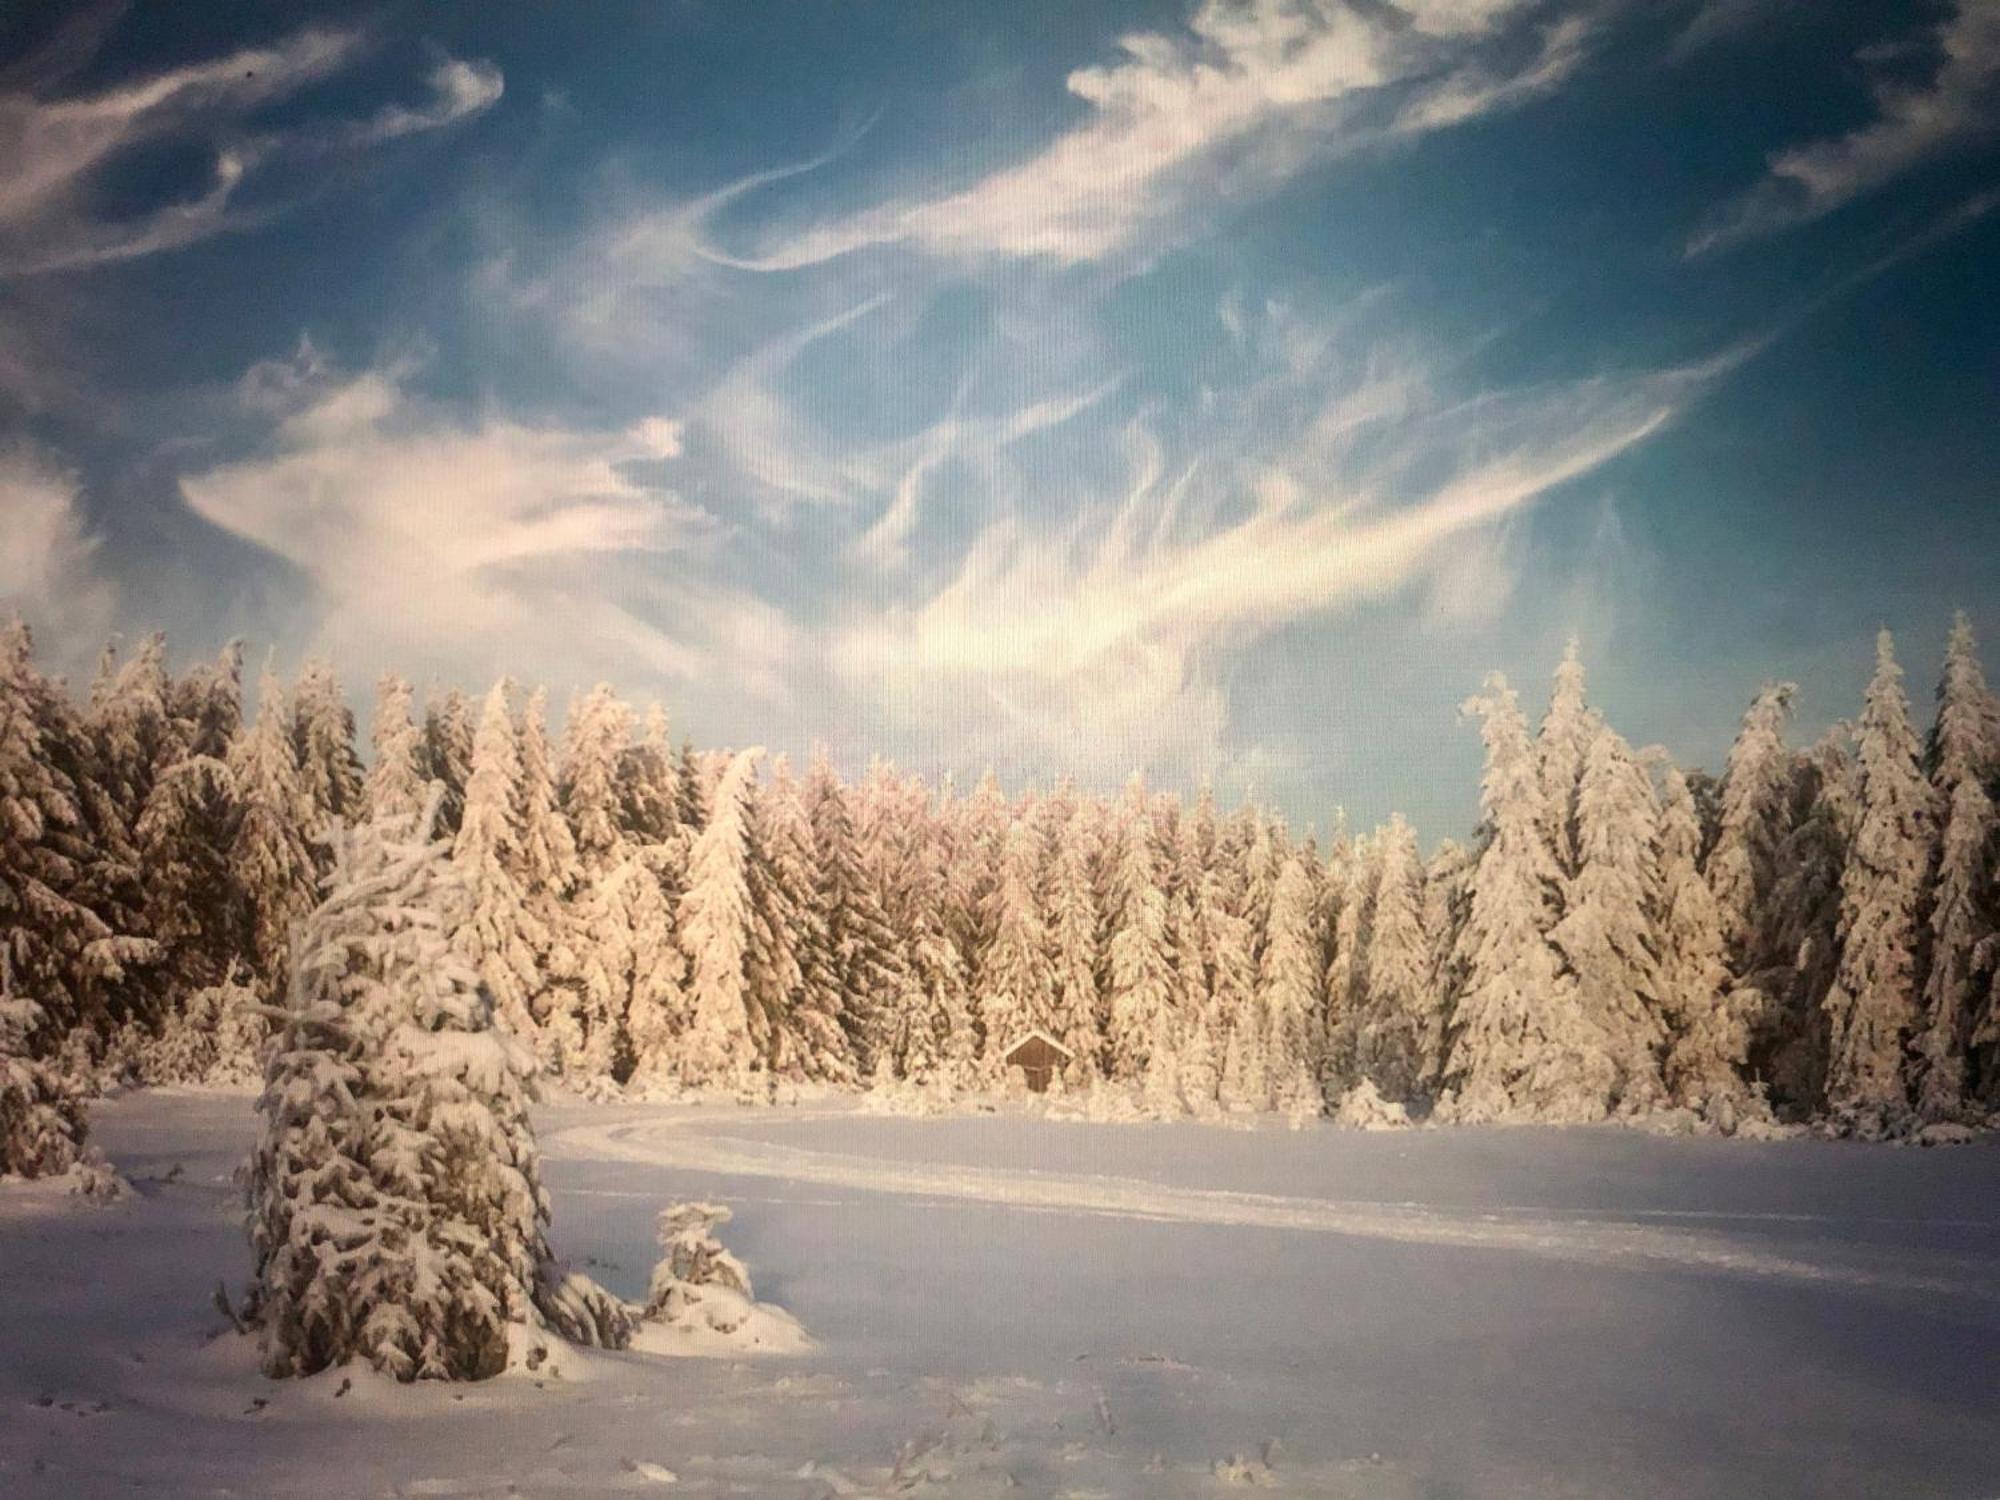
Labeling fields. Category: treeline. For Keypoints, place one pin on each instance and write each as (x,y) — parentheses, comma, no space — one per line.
(1810,935)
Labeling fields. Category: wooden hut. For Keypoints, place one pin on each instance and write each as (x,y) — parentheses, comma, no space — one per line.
(1040,1057)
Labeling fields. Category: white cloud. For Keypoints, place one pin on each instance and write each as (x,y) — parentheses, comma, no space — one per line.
(1250,93)
(1912,125)
(1106,637)
(479,543)
(55,148)
(459,90)
(48,558)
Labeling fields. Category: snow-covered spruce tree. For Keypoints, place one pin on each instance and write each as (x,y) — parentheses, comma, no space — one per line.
(1203,1032)
(1347,968)
(194,907)
(1743,865)
(272,851)
(1519,1045)
(889,815)
(1017,982)
(1243,1080)
(448,736)
(863,949)
(1606,934)
(818,1045)
(1392,1045)
(322,731)
(978,831)
(1447,899)
(1076,940)
(1709,1035)
(716,931)
(41,1118)
(1289,980)
(133,736)
(634,968)
(650,784)
(1873,1008)
(206,704)
(1962,759)
(48,924)
(1786,1004)
(215,1038)
(1141,975)
(499,936)
(550,875)
(1567,732)
(595,741)
(396,1212)
(396,784)
(938,1041)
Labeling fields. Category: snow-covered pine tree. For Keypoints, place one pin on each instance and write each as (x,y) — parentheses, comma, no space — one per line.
(396,1211)
(861,946)
(448,736)
(275,836)
(1141,973)
(133,735)
(633,970)
(596,739)
(396,784)
(1290,977)
(979,839)
(1347,965)
(1567,732)
(322,730)
(1076,940)
(1873,1006)
(1606,934)
(500,936)
(41,1118)
(550,875)
(1447,898)
(650,783)
(1754,818)
(1017,982)
(693,790)
(194,907)
(48,925)
(1393,1043)
(939,1040)
(1235,1025)
(889,814)
(1519,1046)
(1786,1002)
(716,926)
(1962,760)
(206,704)
(816,1045)
(1708,1050)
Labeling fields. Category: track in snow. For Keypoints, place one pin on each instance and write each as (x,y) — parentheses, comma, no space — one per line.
(1635,1239)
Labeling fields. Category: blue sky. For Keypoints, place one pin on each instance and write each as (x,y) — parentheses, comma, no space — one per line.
(1220,391)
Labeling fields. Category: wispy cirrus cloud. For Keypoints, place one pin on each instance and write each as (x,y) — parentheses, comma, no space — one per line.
(1265,86)
(1914,123)
(497,543)
(48,555)
(1112,626)
(57,149)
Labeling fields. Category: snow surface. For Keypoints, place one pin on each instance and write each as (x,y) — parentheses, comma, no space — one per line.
(1009,1304)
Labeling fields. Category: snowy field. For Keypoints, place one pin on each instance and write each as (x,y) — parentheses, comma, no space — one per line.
(1012,1305)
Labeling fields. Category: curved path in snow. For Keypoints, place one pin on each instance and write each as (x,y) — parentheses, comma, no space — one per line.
(1634,1238)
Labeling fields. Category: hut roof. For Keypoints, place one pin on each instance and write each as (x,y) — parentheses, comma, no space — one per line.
(1036,1035)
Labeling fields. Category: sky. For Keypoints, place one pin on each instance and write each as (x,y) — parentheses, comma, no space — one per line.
(1216,391)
